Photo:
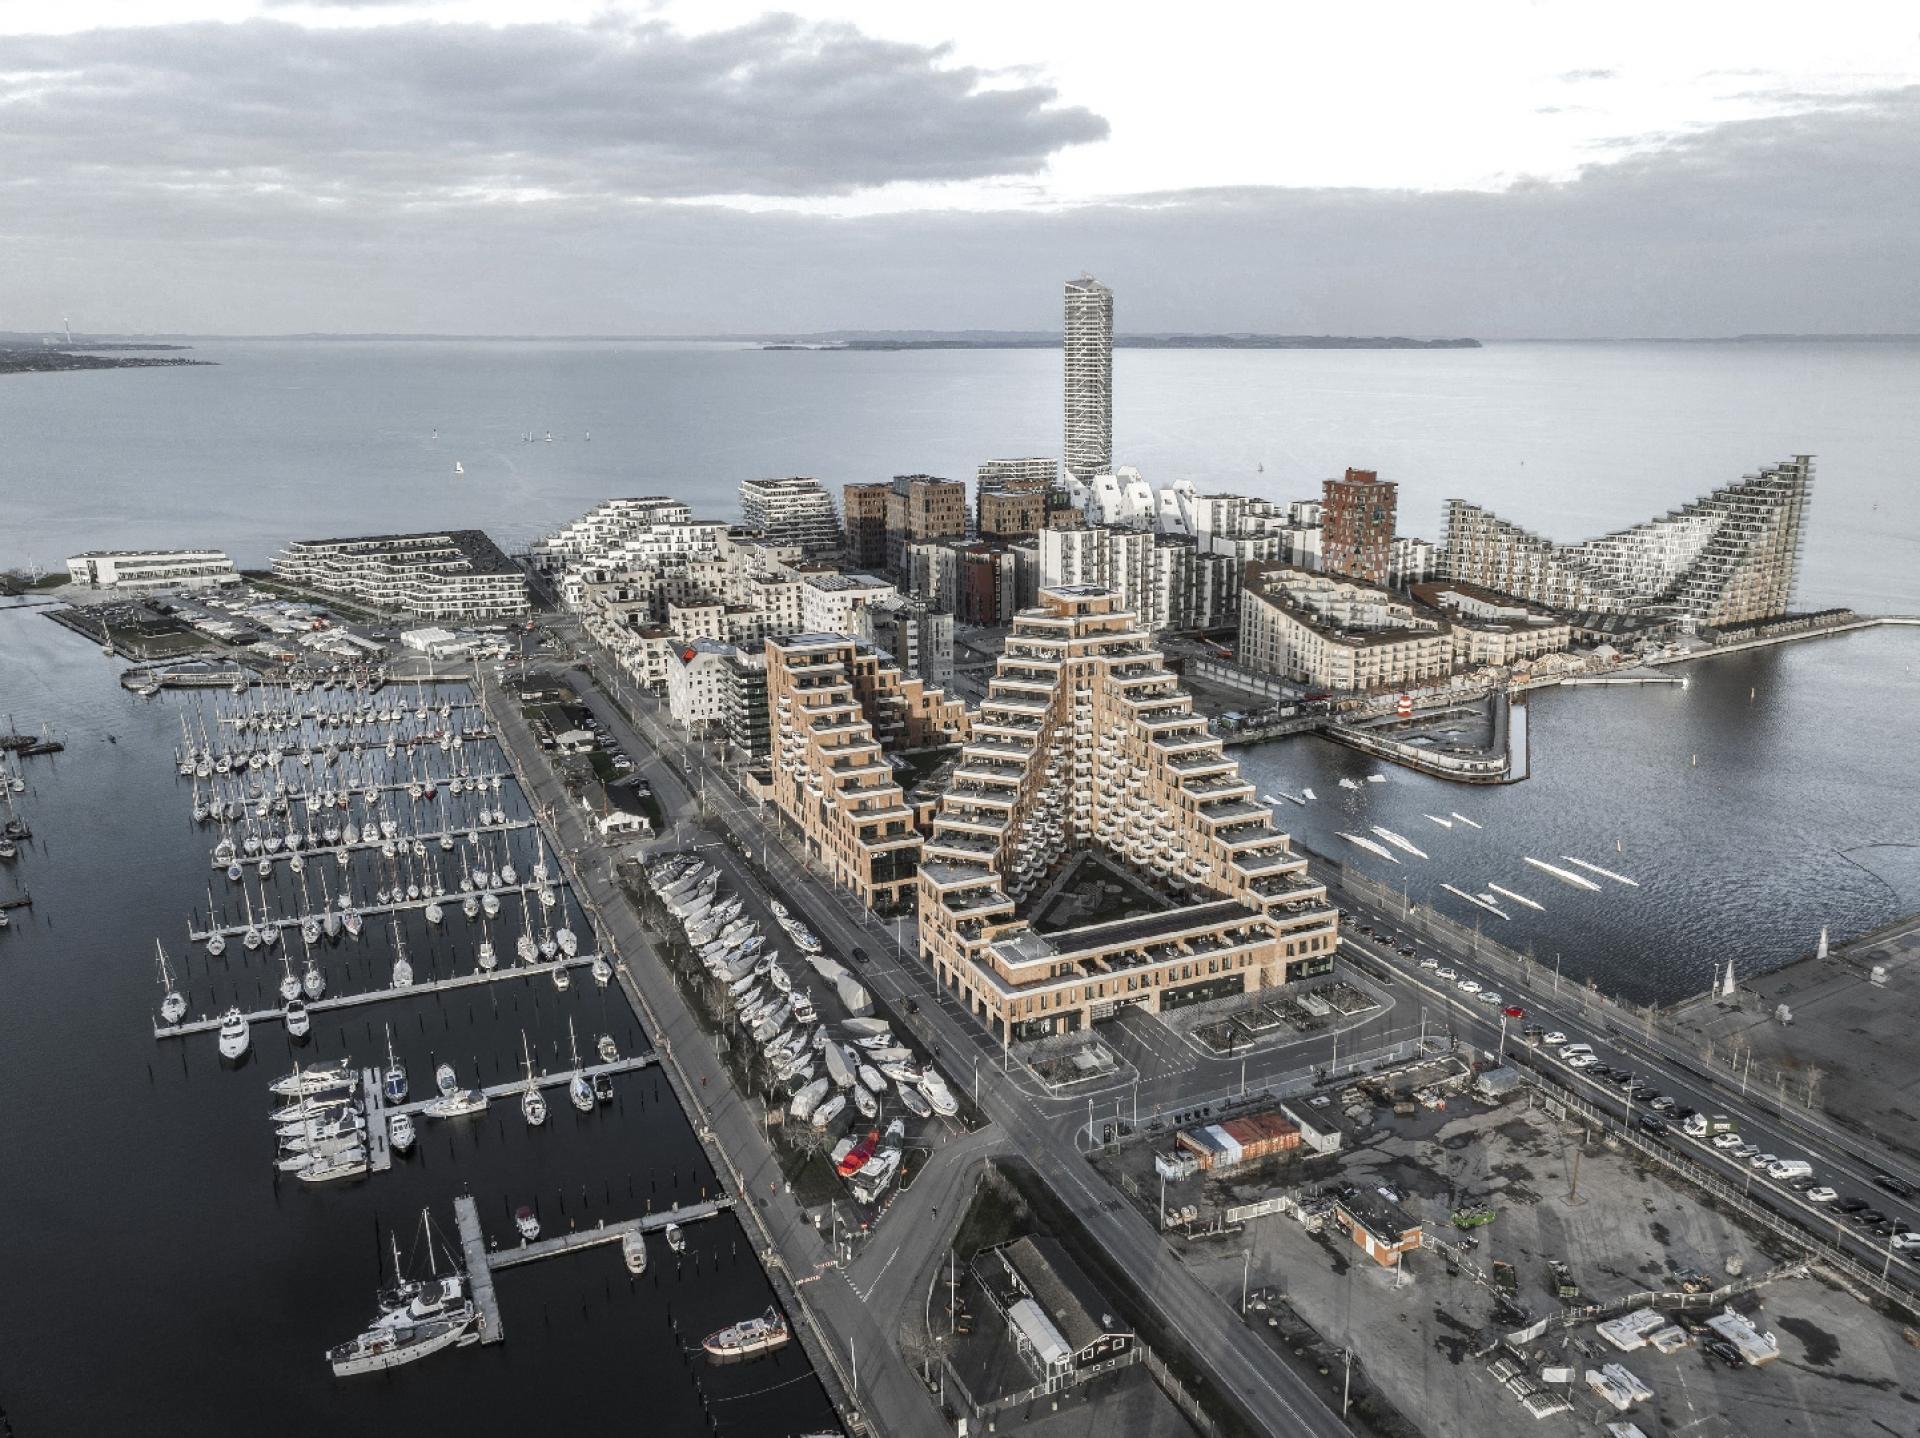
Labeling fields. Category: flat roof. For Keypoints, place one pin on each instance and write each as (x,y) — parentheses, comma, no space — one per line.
(146,554)
(1379,1215)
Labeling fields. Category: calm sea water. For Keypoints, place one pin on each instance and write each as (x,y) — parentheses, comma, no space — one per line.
(1774,795)
(288,439)
(161,1278)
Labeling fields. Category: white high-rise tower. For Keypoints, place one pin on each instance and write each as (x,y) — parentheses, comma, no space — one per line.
(1089,350)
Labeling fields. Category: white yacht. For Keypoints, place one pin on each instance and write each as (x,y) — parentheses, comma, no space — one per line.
(296,1018)
(400,1132)
(633,1249)
(457,1104)
(234,1034)
(527,1221)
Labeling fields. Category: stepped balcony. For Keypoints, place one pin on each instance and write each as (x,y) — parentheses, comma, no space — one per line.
(1214,786)
(1266,861)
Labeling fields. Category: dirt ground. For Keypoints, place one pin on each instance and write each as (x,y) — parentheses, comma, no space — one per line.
(1843,1368)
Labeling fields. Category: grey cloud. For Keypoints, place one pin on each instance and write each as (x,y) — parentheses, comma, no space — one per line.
(1575,77)
(422,112)
(1803,222)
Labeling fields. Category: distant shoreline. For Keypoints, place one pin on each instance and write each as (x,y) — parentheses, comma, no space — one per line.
(1148,342)
(46,360)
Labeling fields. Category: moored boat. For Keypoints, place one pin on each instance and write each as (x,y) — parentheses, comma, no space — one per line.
(750,1337)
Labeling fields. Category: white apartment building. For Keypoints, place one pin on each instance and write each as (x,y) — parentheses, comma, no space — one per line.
(1339,634)
(698,684)
(1089,377)
(796,511)
(1166,581)
(602,529)
(1730,557)
(457,574)
(151,568)
(828,602)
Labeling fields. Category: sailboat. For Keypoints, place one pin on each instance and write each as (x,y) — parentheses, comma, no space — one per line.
(312,981)
(579,1090)
(290,981)
(393,1082)
(402,970)
(173,1007)
(533,1106)
(459,468)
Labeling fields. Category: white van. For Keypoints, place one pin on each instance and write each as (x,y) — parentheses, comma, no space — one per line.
(1790,1168)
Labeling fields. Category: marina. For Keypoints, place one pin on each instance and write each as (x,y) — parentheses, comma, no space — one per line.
(542,1080)
(191,1027)
(590,1171)
(374,907)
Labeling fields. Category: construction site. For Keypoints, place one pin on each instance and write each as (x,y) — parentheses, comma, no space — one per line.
(1447,1257)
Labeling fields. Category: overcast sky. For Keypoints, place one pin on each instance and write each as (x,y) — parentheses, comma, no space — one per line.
(556,166)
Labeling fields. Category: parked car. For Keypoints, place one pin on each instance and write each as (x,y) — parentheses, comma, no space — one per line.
(1764,1160)
(1514,1011)
(1468,986)
(1653,1123)
(1726,1140)
(1428,961)
(1899,1187)
(1869,1218)
(1822,1194)
(1446,976)
(1554,1038)
(1748,1150)
(1852,1205)
(1906,1242)
(1663,1104)
(1581,1061)
(1726,1353)
(1489,997)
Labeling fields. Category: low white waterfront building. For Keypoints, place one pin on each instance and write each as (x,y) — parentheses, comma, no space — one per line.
(152,568)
